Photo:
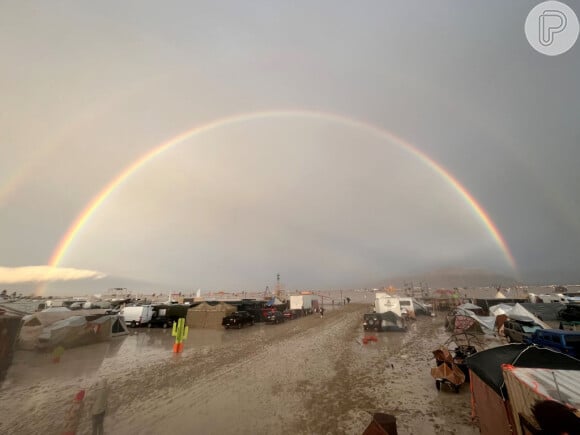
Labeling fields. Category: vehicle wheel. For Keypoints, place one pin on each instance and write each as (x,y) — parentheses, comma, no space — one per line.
(133,324)
(509,338)
(438,385)
(165,325)
(456,388)
(149,325)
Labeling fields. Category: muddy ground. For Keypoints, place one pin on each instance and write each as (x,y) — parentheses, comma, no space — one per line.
(306,376)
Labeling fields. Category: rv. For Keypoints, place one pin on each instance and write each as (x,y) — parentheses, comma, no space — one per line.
(385,303)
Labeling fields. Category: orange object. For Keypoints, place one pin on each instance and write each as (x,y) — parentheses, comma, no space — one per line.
(73,415)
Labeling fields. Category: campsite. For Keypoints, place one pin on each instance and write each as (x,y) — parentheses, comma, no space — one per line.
(316,374)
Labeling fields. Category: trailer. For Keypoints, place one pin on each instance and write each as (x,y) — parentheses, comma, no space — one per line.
(306,303)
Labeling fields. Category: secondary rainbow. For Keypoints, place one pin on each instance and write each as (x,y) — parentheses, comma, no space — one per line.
(82,219)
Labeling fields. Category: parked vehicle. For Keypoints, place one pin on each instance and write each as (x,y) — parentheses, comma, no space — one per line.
(570,313)
(239,319)
(136,316)
(290,314)
(275,317)
(306,302)
(567,342)
(388,321)
(165,315)
(515,330)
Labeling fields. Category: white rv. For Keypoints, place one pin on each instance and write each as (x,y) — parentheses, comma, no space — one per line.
(385,303)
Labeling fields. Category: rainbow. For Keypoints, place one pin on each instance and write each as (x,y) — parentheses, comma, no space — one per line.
(82,219)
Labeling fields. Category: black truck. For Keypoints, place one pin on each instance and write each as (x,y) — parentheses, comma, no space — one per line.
(239,319)
(165,315)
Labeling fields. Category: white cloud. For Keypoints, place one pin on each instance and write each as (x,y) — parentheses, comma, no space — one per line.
(12,275)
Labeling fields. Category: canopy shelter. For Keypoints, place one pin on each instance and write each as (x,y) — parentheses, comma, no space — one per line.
(205,315)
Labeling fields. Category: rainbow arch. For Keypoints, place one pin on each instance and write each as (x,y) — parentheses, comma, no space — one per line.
(84,216)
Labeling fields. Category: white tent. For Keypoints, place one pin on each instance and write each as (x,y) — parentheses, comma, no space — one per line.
(516,310)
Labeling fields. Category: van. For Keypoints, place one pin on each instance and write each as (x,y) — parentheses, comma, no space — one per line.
(567,342)
(137,315)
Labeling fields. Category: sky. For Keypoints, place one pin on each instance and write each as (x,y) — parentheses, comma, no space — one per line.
(333,191)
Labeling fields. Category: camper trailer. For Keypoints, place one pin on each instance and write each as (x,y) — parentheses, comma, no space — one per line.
(385,303)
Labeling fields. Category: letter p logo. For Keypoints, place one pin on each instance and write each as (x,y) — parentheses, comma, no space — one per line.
(552,28)
(551,22)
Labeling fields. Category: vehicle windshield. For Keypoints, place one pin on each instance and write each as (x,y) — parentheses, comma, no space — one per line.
(262,217)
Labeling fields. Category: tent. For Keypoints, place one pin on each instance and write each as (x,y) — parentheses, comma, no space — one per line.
(517,312)
(205,315)
(528,386)
(464,320)
(488,393)
(75,328)
(9,329)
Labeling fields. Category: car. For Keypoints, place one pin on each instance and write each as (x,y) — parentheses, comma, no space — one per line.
(275,317)
(516,330)
(239,319)
(567,342)
(570,313)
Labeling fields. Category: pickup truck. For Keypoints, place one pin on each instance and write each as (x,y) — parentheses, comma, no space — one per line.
(567,342)
(239,319)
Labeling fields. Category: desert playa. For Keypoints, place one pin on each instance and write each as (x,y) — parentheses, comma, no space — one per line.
(307,376)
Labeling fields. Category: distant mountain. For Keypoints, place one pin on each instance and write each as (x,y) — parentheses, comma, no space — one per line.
(452,278)
(89,287)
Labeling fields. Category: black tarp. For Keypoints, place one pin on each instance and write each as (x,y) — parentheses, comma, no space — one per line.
(487,363)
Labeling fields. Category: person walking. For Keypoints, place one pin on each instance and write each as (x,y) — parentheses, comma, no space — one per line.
(321,313)
(99,407)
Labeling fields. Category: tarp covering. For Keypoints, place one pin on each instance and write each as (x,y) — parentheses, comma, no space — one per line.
(487,363)
(39,332)
(486,323)
(469,306)
(489,408)
(517,312)
(527,386)
(9,329)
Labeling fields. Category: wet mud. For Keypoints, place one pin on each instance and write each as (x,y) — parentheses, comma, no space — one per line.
(306,376)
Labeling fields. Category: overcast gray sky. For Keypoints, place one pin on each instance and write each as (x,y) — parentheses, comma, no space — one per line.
(89,87)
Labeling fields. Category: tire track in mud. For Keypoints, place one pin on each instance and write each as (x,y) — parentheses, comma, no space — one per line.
(252,388)
(391,376)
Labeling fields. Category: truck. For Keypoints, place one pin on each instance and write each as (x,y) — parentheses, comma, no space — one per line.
(136,316)
(165,315)
(306,302)
(567,342)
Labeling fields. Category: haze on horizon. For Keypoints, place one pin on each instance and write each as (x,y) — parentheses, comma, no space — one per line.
(90,87)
